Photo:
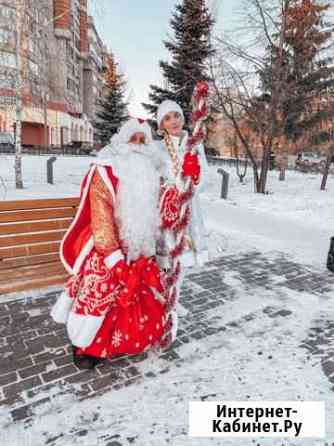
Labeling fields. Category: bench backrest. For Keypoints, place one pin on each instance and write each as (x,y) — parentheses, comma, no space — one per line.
(30,236)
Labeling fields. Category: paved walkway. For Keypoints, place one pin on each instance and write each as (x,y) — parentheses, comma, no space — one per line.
(36,362)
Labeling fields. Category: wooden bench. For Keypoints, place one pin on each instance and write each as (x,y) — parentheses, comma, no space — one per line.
(30,235)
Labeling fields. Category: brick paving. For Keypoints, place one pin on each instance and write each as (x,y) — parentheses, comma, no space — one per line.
(36,361)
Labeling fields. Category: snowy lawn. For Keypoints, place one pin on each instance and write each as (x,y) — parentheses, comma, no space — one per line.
(295,217)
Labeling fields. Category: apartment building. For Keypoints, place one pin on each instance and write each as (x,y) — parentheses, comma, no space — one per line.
(94,70)
(62,70)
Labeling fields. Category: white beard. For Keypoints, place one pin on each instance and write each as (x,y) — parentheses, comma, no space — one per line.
(137,199)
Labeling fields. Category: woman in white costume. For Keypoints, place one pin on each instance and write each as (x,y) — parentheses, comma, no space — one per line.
(170,120)
(171,150)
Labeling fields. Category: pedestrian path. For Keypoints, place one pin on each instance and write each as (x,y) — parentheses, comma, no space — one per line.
(36,364)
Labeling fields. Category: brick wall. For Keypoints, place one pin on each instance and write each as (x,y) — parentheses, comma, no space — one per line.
(83,27)
(62,10)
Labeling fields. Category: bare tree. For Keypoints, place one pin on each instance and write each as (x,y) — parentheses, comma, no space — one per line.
(236,74)
(329,149)
(25,74)
(241,172)
(39,78)
(20,16)
(329,159)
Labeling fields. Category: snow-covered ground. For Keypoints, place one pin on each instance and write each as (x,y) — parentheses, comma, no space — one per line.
(297,219)
(294,217)
(68,172)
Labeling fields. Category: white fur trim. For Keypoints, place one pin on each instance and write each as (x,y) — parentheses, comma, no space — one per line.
(188,259)
(166,107)
(202,257)
(113,258)
(132,126)
(163,261)
(83,199)
(100,161)
(61,309)
(82,329)
(174,325)
(83,254)
(129,128)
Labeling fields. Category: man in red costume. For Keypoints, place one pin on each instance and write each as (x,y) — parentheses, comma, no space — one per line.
(114,301)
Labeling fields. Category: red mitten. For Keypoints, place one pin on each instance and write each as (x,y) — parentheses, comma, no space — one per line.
(191,167)
(170,207)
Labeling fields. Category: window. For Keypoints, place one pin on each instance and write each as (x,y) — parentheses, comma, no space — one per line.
(77,43)
(72,86)
(37,15)
(7,59)
(65,135)
(34,68)
(33,47)
(7,12)
(7,100)
(7,37)
(6,82)
(69,50)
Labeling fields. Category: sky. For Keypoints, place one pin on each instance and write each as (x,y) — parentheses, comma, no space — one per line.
(134,31)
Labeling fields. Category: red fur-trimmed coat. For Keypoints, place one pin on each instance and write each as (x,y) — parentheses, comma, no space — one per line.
(109,307)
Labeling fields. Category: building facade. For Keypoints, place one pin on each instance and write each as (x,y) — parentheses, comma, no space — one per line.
(94,69)
(220,135)
(223,139)
(62,71)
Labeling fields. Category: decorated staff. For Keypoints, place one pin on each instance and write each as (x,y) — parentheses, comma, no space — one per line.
(176,202)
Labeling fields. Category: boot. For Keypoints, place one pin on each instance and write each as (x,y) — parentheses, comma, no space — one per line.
(84,362)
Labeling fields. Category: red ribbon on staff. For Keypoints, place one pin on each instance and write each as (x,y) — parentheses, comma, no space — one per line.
(191,167)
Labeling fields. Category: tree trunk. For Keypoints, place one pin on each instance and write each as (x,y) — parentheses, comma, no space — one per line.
(325,175)
(255,176)
(261,189)
(285,165)
(241,175)
(280,162)
(19,81)
(46,138)
(262,183)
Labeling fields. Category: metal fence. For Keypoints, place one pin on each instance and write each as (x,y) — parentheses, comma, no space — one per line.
(41,150)
(224,161)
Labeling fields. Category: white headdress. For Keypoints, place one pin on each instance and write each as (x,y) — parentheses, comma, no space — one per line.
(131,127)
(166,107)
